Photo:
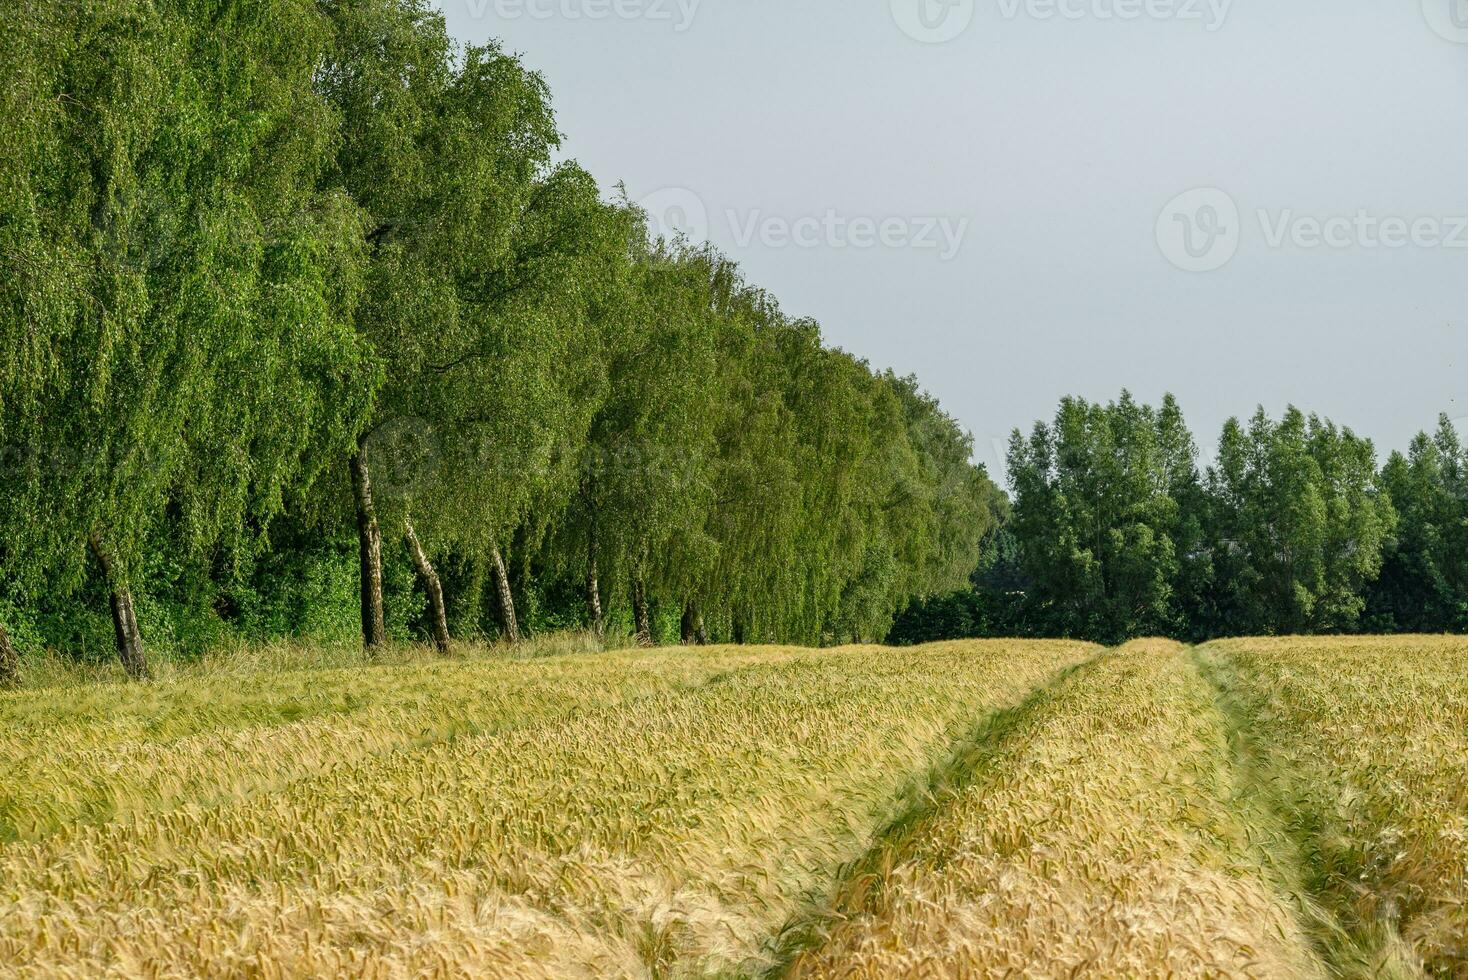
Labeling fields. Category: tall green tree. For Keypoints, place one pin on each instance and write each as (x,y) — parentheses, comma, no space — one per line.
(850,454)
(1298,525)
(163,217)
(744,560)
(1096,516)
(1424,581)
(642,486)
(963,503)
(485,265)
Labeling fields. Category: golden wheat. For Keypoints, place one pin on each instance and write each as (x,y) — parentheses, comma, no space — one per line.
(1096,833)
(113,753)
(1279,808)
(1365,743)
(619,827)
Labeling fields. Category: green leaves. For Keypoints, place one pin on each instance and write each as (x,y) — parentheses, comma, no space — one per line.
(181,323)
(177,288)
(1118,536)
(1424,582)
(239,239)
(1096,513)
(1298,525)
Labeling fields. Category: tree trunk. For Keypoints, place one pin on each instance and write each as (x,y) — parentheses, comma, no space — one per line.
(9,662)
(593,587)
(693,628)
(506,598)
(124,617)
(593,601)
(432,587)
(737,628)
(369,548)
(640,613)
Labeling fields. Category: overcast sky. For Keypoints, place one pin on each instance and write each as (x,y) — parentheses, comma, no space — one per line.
(1240,202)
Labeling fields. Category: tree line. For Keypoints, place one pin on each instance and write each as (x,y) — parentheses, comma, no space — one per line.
(303,320)
(1112,531)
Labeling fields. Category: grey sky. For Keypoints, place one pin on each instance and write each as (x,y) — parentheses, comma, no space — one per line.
(838,159)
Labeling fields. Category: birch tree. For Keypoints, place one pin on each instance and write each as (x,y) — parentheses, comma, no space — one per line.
(177,281)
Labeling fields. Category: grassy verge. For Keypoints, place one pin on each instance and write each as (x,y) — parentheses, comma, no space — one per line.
(240,659)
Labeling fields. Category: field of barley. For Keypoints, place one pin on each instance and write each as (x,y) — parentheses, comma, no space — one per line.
(1269,808)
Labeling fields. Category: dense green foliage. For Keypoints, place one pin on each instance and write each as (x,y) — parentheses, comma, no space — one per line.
(300,316)
(177,354)
(1424,582)
(1096,504)
(1113,533)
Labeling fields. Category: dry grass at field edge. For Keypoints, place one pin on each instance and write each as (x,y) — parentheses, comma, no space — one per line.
(240,659)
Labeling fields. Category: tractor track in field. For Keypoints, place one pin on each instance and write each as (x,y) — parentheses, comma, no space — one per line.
(1275,835)
(1351,950)
(963,764)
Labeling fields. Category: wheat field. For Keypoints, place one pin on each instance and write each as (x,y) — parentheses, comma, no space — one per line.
(1269,808)
(1363,742)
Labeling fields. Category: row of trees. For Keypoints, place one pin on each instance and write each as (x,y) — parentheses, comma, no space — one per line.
(1114,532)
(279,275)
